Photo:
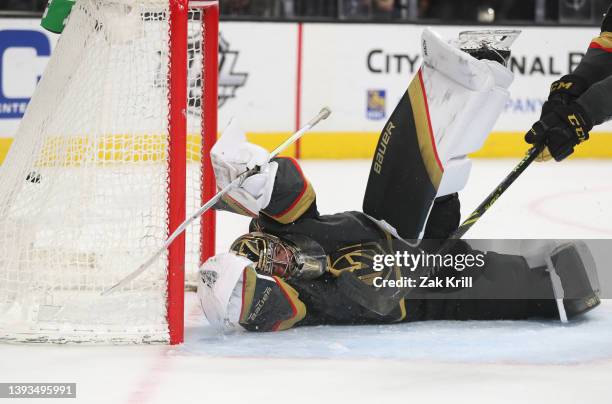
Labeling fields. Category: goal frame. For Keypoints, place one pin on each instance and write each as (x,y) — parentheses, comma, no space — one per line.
(177,161)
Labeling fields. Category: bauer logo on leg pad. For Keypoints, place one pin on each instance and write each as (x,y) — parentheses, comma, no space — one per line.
(382,147)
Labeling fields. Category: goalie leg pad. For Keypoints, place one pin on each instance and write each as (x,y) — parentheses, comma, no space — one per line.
(465,98)
(399,180)
(572,272)
(505,289)
(447,112)
(575,267)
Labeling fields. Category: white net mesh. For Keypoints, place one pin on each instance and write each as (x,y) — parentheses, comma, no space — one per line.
(84,198)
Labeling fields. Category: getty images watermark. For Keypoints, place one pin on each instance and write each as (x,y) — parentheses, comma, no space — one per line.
(456,262)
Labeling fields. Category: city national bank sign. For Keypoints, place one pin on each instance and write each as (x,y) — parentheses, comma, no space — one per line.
(23,55)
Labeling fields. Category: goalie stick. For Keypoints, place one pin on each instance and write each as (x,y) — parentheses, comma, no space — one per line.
(383,301)
(323,114)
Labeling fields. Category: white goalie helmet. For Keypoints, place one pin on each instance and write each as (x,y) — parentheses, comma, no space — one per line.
(220,288)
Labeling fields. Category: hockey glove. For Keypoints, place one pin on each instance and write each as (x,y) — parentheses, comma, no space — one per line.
(563,92)
(560,130)
(231,156)
(232,292)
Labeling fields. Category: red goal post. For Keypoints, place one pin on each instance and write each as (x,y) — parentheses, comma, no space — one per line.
(179,11)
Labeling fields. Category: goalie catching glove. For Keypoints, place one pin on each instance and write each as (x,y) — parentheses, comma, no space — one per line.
(231,156)
(248,286)
(232,291)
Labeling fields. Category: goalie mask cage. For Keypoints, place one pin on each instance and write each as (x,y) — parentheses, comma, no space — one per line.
(111,153)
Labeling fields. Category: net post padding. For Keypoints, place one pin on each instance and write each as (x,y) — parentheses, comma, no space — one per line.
(210,72)
(177,166)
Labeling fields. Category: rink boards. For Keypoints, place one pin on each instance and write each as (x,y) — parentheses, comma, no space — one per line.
(275,76)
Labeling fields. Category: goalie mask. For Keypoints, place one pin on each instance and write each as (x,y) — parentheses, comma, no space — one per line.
(293,256)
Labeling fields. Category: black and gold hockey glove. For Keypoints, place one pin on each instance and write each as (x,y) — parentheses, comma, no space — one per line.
(564,127)
(563,92)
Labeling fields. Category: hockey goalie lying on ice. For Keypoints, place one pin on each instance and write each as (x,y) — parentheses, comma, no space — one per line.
(284,272)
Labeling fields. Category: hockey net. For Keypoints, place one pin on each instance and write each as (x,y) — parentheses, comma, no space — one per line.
(99,173)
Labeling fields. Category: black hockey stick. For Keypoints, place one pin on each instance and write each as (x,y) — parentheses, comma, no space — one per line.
(529,158)
(383,300)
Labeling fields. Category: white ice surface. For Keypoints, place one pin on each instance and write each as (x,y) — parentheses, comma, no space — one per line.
(455,362)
